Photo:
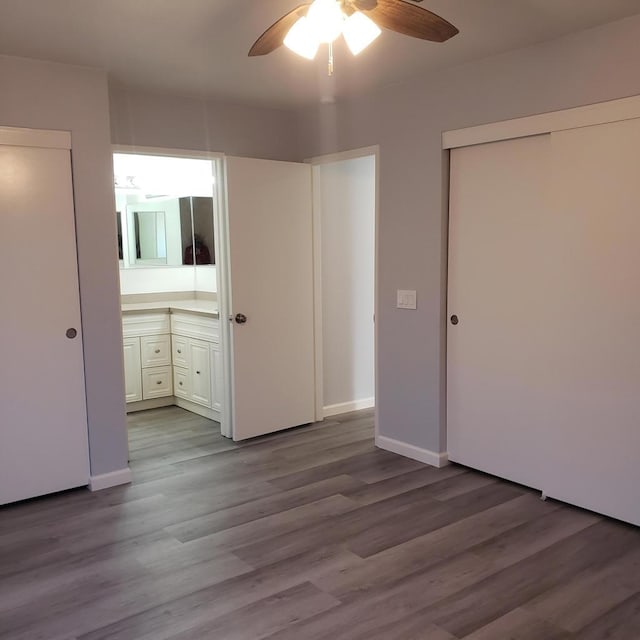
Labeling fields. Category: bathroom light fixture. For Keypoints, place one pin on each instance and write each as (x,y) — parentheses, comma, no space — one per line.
(324,23)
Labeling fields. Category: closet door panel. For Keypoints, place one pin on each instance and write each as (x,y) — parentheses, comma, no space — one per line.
(593,396)
(498,281)
(43,421)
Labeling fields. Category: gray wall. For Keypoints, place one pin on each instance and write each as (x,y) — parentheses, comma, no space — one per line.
(142,118)
(407,121)
(40,95)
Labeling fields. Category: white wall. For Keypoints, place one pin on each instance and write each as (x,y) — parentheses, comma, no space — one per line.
(407,121)
(52,96)
(168,279)
(346,195)
(156,280)
(206,281)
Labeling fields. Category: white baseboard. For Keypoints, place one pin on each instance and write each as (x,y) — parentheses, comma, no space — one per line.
(205,412)
(112,479)
(346,407)
(410,451)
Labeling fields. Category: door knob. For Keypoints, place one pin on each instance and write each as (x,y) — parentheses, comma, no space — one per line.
(454,320)
(241,318)
(71,333)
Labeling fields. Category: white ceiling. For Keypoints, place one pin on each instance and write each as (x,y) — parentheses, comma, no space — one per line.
(199,47)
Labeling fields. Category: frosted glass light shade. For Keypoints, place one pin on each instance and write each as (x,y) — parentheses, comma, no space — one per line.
(302,39)
(359,32)
(327,19)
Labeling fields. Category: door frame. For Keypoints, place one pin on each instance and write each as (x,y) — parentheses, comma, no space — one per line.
(316,162)
(221,248)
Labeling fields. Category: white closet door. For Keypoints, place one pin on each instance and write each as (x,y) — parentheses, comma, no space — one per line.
(43,422)
(593,396)
(499,273)
(544,365)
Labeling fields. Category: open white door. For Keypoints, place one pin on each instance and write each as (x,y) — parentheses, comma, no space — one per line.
(270,282)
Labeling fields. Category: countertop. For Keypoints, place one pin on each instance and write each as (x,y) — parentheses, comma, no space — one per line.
(201,307)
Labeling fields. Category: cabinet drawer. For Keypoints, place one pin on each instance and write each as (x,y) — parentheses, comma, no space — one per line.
(156,383)
(180,351)
(196,326)
(155,351)
(181,383)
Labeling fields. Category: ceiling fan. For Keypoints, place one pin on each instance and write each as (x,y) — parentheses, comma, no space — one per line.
(360,21)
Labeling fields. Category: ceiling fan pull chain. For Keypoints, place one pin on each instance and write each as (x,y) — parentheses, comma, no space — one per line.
(330,67)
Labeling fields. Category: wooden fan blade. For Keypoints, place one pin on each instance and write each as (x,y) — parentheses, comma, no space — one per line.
(367,5)
(274,36)
(410,20)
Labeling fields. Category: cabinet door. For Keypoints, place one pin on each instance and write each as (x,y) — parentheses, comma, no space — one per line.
(181,383)
(132,369)
(155,351)
(180,351)
(217,372)
(200,372)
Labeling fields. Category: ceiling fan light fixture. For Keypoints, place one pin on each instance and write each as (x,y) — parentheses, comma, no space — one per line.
(302,39)
(359,32)
(327,19)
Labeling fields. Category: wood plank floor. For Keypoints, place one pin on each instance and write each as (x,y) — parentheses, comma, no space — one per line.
(309,534)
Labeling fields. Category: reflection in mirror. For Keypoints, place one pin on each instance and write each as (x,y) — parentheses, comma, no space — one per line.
(151,234)
(155,233)
(119,225)
(200,249)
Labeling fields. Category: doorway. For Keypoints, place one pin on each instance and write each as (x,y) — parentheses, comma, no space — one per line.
(345,211)
(258,369)
(169,283)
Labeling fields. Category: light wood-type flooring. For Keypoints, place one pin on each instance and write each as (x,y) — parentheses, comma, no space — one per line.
(309,534)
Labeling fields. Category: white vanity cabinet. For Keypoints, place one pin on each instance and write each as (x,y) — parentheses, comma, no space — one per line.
(147,356)
(173,357)
(197,374)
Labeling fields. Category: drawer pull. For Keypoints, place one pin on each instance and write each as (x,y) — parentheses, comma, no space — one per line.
(198,372)
(159,382)
(180,383)
(179,350)
(157,350)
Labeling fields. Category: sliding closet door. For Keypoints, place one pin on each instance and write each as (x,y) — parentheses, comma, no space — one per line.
(43,421)
(544,363)
(498,279)
(593,449)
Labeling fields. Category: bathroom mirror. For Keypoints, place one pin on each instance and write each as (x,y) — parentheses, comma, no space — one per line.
(164,211)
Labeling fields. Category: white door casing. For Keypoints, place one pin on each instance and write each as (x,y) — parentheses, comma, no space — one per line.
(43,438)
(270,243)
